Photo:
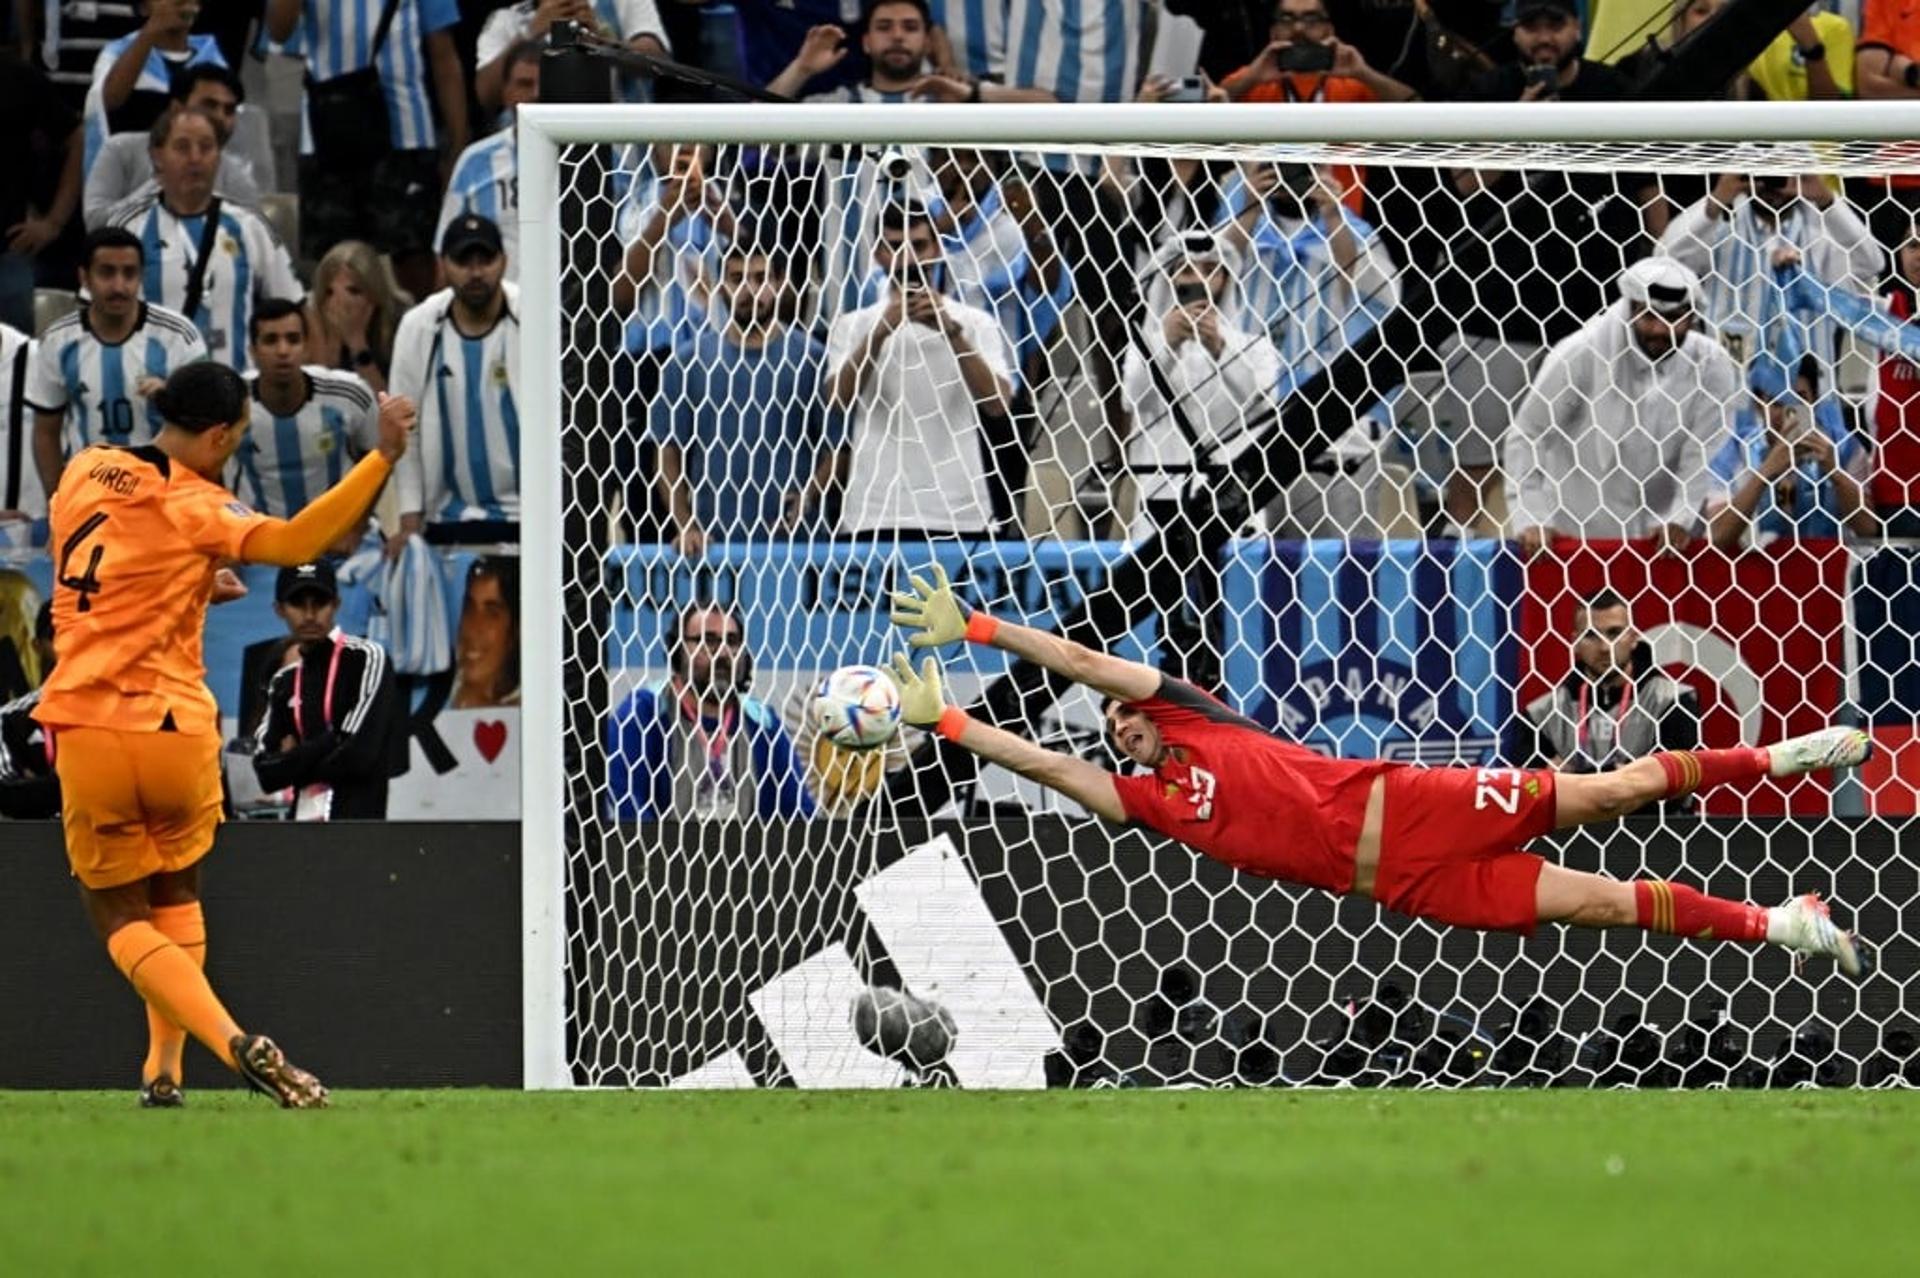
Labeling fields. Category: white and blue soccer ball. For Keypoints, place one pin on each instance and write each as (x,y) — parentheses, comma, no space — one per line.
(857,708)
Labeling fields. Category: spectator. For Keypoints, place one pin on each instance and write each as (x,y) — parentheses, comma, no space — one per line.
(309,423)
(41,136)
(457,355)
(487,645)
(696,745)
(72,34)
(1896,404)
(970,40)
(894,34)
(1219,374)
(1811,60)
(1305,62)
(353,312)
(674,220)
(356,180)
(1792,467)
(133,76)
(210,260)
(124,168)
(1613,436)
(771,32)
(1613,707)
(635,23)
(91,379)
(29,790)
(1732,238)
(1522,260)
(333,733)
(486,177)
(23,504)
(740,419)
(915,371)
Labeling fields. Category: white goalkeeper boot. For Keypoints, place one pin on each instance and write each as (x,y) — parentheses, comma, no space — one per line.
(1805,926)
(1827,748)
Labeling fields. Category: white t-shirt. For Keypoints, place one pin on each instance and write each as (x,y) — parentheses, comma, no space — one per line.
(914,431)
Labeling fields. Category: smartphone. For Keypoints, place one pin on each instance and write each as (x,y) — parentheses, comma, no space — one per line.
(1191,88)
(1187,292)
(1305,56)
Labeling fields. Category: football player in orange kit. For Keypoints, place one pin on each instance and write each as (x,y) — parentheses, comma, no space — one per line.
(139,537)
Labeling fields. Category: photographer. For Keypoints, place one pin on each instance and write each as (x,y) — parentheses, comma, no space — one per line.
(1548,38)
(915,371)
(1221,377)
(1305,62)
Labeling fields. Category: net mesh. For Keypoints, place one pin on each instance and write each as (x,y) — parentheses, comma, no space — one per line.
(1373,441)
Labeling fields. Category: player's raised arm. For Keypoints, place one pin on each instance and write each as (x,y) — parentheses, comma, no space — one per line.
(923,704)
(931,610)
(327,518)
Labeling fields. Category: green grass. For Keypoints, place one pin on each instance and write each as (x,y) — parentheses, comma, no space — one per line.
(1199,1185)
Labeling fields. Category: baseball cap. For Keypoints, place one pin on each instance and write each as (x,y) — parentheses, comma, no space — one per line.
(1532,8)
(471,231)
(314,578)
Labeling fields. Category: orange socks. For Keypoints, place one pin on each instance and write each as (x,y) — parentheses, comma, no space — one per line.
(173,985)
(186,926)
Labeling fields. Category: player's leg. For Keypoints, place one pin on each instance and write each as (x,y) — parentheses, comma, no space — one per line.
(1607,796)
(174,901)
(1580,899)
(179,779)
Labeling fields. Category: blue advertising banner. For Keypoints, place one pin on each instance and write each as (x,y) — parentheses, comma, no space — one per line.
(1404,650)
(817,605)
(1886,620)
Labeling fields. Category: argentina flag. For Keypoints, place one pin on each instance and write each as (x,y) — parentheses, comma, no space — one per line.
(1400,650)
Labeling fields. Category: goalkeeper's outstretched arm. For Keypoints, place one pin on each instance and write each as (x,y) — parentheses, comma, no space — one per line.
(933,613)
(923,704)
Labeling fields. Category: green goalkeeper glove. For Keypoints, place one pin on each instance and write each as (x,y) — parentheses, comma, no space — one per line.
(921,700)
(930,609)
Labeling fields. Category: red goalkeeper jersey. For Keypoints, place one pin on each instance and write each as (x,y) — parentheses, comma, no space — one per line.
(1241,795)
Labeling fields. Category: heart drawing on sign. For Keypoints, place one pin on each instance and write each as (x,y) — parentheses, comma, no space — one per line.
(489,738)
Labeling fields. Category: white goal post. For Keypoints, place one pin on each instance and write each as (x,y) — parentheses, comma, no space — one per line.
(1844,138)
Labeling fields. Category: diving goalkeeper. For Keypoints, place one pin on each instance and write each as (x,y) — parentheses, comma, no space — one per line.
(1437,843)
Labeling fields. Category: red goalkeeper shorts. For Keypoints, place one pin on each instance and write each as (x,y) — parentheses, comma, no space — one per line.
(1451,845)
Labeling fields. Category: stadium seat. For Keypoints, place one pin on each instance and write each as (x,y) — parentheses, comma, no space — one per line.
(49,304)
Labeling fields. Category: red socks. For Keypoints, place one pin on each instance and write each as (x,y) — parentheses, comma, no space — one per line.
(1660,906)
(1690,770)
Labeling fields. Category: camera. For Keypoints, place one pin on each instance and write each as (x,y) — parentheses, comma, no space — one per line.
(895,165)
(1190,89)
(1305,56)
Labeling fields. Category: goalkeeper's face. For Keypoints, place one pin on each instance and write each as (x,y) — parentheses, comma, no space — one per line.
(1134,734)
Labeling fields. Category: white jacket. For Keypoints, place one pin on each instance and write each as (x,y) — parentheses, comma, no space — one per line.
(1607,443)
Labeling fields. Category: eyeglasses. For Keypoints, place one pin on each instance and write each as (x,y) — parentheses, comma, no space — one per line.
(1310,21)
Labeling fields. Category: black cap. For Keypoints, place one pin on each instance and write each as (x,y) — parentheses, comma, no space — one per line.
(314,578)
(1558,8)
(471,231)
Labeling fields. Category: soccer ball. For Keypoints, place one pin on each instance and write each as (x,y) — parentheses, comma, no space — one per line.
(857,708)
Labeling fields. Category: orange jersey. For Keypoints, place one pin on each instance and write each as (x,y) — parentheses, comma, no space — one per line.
(136,540)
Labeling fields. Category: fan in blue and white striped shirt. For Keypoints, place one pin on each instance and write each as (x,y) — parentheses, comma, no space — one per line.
(246,261)
(133,109)
(1079,50)
(486,177)
(96,367)
(336,38)
(977,34)
(457,355)
(309,423)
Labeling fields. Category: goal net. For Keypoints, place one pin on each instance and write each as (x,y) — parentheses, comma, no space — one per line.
(1464,439)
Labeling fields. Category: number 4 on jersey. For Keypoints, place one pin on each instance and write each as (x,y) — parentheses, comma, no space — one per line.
(89,580)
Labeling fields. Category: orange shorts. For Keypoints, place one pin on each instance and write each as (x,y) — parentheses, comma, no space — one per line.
(136,804)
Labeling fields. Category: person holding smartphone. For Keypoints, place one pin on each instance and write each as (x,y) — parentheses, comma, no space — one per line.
(1791,467)
(1304,61)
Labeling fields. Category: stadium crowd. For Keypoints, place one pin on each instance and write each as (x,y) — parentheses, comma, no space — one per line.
(951,342)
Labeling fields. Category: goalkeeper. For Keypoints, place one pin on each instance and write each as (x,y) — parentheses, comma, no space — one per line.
(1438,843)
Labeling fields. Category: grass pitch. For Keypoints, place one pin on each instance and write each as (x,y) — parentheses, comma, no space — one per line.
(1200,1185)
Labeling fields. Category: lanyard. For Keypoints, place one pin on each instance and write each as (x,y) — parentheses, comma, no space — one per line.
(326,697)
(1581,732)
(715,745)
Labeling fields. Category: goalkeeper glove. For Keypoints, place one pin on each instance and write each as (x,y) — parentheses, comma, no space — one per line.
(935,613)
(921,700)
